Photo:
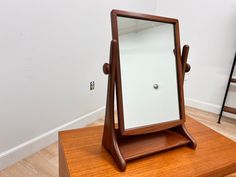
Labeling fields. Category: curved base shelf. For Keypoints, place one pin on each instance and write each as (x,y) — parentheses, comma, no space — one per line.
(133,147)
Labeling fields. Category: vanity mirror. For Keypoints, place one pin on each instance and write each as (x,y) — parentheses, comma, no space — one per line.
(147,70)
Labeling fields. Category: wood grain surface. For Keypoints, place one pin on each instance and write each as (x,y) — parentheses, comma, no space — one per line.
(85,156)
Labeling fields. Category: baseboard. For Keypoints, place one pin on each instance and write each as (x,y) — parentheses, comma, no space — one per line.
(27,148)
(202,105)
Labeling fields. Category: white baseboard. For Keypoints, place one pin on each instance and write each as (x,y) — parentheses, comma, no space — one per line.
(202,105)
(27,148)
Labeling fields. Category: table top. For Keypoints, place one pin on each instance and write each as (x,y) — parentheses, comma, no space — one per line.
(81,154)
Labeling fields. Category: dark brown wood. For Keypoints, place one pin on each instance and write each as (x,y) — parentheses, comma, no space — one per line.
(184,59)
(188,68)
(109,140)
(184,132)
(180,76)
(233,80)
(229,109)
(134,147)
(135,15)
(185,66)
(125,145)
(83,155)
(152,128)
(106,68)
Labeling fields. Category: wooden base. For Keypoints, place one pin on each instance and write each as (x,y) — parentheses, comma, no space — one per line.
(139,146)
(126,148)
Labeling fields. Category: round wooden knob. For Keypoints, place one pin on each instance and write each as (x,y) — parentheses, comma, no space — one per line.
(106,68)
(188,67)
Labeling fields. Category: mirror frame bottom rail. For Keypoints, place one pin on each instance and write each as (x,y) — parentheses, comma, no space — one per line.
(153,128)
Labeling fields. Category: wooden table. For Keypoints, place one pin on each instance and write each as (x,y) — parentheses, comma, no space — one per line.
(81,154)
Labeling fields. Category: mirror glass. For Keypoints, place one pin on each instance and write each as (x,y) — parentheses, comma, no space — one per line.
(148,72)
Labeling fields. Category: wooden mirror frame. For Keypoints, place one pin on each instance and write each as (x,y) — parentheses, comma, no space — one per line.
(158,126)
(125,147)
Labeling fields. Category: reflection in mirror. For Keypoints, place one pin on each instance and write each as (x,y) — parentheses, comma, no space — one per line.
(148,72)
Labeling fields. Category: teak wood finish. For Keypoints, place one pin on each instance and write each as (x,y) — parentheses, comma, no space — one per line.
(81,154)
(125,145)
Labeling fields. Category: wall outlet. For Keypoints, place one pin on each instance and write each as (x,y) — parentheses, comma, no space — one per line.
(92,85)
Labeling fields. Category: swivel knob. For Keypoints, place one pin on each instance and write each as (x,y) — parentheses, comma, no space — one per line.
(106,68)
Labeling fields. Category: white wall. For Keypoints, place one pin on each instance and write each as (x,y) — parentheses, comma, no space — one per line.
(209,28)
(49,51)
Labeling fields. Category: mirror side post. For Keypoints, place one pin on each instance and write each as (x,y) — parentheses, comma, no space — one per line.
(184,57)
(186,68)
(109,140)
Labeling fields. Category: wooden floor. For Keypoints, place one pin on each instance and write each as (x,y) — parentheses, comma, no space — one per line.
(45,162)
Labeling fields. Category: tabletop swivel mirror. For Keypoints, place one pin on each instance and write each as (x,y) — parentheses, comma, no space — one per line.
(146,70)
